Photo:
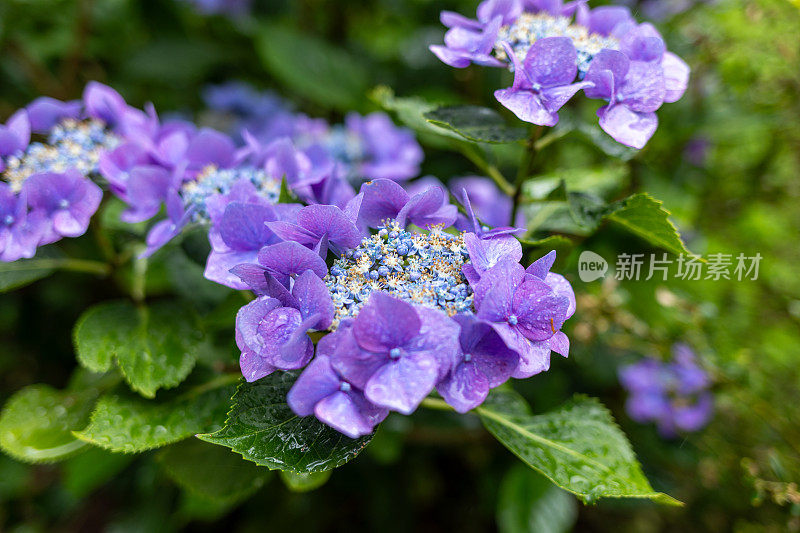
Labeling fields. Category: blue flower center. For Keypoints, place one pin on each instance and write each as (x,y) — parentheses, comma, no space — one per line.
(71,144)
(421,268)
(513,320)
(395,353)
(345,387)
(213,181)
(63,203)
(530,27)
(8,220)
(467,357)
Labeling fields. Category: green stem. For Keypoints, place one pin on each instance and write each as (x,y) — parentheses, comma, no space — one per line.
(526,168)
(487,168)
(85,266)
(437,404)
(139,282)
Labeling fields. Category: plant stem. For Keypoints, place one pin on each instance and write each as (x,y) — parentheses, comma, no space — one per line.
(436,403)
(139,282)
(73,265)
(487,168)
(526,168)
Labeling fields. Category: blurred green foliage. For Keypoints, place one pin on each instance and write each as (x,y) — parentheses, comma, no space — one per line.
(435,471)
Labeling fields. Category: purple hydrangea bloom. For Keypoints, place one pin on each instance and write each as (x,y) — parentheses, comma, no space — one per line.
(484,362)
(396,352)
(320,227)
(52,177)
(543,83)
(232,8)
(68,199)
(386,200)
(634,90)
(404,319)
(675,394)
(525,311)
(546,49)
(322,391)
(272,333)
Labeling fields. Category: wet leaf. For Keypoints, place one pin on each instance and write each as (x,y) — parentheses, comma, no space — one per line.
(37,422)
(578,447)
(645,216)
(263,429)
(155,347)
(477,124)
(123,422)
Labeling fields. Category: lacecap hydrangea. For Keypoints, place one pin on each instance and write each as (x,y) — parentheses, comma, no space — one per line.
(50,153)
(674,394)
(398,311)
(556,50)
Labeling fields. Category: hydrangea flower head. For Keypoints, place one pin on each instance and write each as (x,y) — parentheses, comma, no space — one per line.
(411,310)
(674,394)
(49,153)
(557,49)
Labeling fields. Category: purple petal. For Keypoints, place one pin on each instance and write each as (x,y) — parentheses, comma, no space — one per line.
(317,381)
(676,77)
(527,106)
(383,200)
(313,298)
(541,267)
(401,385)
(486,253)
(353,363)
(643,43)
(494,293)
(385,323)
(331,221)
(606,72)
(219,267)
(643,89)
(344,413)
(628,127)
(487,349)
(104,103)
(242,226)
(562,287)
(46,112)
(210,147)
(509,10)
(540,312)
(289,258)
(252,276)
(465,388)
(534,357)
(438,337)
(559,343)
(552,62)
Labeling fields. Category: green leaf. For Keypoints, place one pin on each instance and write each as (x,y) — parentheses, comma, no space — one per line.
(211,471)
(528,502)
(89,470)
(312,67)
(297,482)
(37,422)
(17,274)
(410,111)
(646,217)
(286,196)
(476,124)
(578,447)
(126,423)
(155,347)
(263,429)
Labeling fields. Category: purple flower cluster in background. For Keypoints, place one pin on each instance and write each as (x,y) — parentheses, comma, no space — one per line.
(404,311)
(49,152)
(233,8)
(675,394)
(557,49)
(363,148)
